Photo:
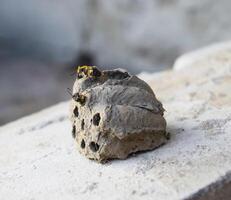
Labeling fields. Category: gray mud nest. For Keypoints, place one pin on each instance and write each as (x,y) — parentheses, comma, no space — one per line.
(114,114)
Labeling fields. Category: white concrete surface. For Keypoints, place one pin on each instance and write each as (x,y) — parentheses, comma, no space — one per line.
(38,158)
(189,59)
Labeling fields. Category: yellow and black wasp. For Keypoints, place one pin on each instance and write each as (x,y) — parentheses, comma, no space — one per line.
(88,71)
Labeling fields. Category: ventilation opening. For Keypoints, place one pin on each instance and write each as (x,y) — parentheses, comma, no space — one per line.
(76,111)
(73,131)
(82,144)
(96,119)
(94,146)
(82,124)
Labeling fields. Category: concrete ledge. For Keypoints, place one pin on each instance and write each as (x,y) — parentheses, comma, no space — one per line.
(190,59)
(38,158)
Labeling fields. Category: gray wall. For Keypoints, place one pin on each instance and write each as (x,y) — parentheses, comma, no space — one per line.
(137,34)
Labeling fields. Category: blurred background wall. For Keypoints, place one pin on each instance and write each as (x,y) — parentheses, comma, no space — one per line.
(42,41)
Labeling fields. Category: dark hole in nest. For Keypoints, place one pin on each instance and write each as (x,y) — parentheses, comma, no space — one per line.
(96,119)
(73,131)
(82,144)
(82,124)
(76,111)
(94,146)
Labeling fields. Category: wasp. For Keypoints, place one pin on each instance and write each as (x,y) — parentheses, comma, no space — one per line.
(81,99)
(88,71)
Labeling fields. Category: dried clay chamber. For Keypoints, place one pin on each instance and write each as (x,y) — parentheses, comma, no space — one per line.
(114,114)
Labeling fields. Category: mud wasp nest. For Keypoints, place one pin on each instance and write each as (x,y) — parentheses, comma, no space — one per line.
(114,114)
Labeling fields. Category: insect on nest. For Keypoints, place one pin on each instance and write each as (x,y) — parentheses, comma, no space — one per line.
(110,111)
(88,71)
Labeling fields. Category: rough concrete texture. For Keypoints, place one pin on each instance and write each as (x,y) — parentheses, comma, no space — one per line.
(115,114)
(38,158)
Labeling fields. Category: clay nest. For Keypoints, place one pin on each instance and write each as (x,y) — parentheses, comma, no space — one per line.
(114,114)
